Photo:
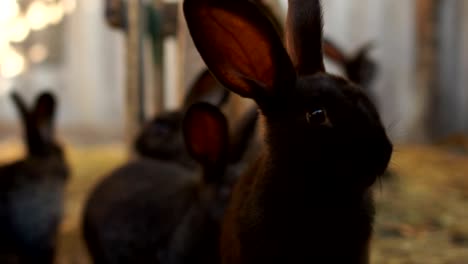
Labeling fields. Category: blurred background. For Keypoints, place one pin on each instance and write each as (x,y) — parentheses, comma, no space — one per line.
(110,77)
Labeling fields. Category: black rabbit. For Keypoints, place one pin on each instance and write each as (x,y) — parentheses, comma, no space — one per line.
(32,189)
(307,198)
(161,138)
(152,211)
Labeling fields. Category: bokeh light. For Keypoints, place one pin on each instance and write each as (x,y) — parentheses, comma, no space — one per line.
(12,63)
(37,15)
(9,9)
(55,13)
(18,29)
(16,24)
(69,6)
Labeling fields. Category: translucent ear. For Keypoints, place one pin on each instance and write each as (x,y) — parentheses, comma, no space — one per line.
(304,36)
(270,14)
(206,136)
(240,46)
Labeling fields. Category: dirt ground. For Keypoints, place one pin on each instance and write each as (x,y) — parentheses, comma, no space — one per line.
(422,204)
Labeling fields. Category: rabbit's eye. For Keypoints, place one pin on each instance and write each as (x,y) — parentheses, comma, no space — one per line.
(318,117)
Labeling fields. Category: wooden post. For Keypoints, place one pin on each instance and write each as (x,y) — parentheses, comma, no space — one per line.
(449,100)
(135,77)
(158,69)
(183,40)
(426,68)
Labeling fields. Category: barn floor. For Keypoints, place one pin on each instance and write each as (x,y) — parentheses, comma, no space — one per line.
(422,206)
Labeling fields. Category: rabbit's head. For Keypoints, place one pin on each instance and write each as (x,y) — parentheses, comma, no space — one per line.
(311,118)
(161,138)
(207,140)
(38,124)
(195,240)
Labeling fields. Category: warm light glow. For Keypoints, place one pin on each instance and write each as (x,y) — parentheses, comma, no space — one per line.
(9,9)
(55,13)
(69,6)
(18,29)
(11,64)
(37,15)
(5,46)
(38,53)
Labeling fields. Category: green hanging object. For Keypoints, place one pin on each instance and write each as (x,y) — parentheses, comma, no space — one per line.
(154,31)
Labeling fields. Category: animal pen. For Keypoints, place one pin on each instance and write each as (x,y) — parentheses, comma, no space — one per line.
(115,65)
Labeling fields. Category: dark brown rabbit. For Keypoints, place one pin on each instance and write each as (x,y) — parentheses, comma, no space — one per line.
(359,68)
(161,138)
(32,189)
(151,211)
(307,198)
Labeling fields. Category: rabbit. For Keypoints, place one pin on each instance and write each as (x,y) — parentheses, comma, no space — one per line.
(307,197)
(359,68)
(161,138)
(32,189)
(153,211)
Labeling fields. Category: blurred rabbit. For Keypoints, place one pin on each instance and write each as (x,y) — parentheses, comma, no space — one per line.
(359,68)
(32,189)
(161,138)
(150,211)
(307,198)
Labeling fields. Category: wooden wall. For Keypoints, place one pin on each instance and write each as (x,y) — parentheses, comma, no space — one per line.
(450,108)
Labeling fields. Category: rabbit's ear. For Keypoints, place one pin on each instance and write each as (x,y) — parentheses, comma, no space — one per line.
(21,107)
(243,133)
(43,116)
(332,51)
(206,136)
(304,36)
(365,49)
(206,89)
(240,46)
